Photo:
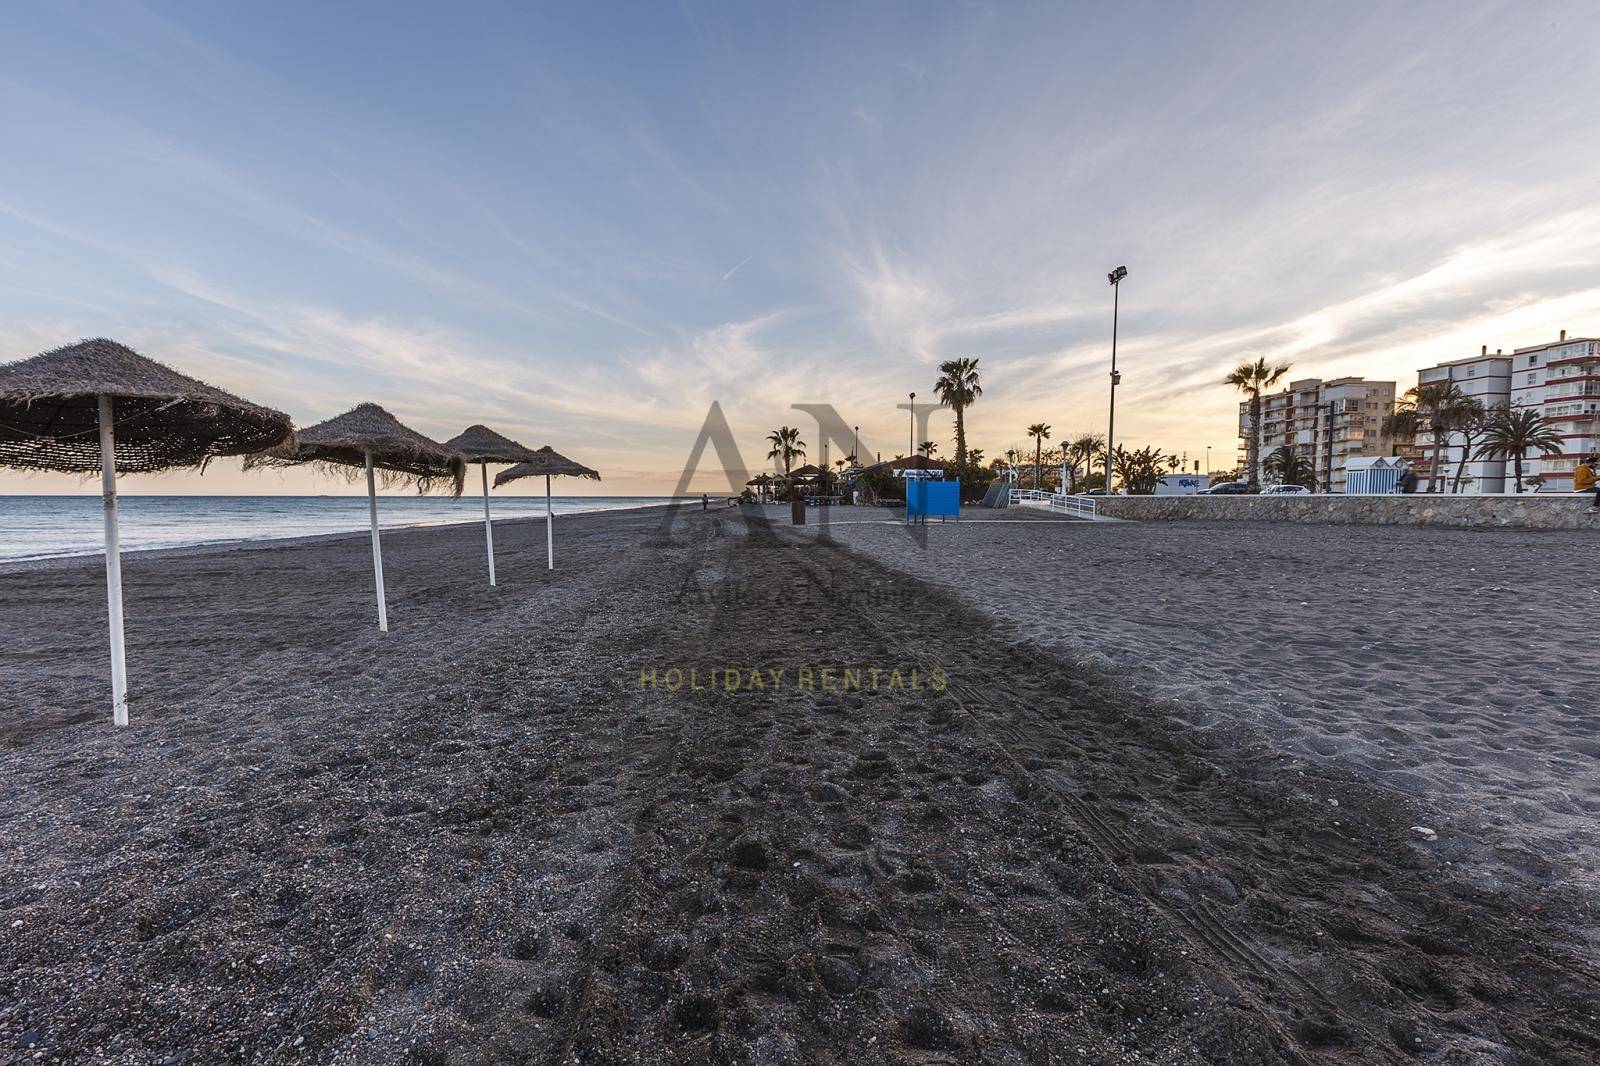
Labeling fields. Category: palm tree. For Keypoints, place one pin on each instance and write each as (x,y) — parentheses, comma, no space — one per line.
(786,447)
(1513,432)
(1139,471)
(927,448)
(1083,449)
(1291,469)
(1253,379)
(1470,421)
(1040,432)
(957,388)
(975,457)
(1436,409)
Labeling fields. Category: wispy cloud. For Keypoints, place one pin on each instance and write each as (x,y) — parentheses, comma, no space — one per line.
(526,219)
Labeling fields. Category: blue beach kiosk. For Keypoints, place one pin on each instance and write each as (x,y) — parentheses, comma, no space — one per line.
(925,498)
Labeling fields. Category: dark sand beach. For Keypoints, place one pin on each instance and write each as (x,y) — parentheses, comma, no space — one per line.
(539,823)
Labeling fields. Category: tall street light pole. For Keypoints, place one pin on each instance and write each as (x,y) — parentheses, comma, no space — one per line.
(1115,277)
(913,433)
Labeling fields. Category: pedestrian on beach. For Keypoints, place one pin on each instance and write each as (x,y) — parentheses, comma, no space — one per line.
(1586,479)
(705,502)
(1408,481)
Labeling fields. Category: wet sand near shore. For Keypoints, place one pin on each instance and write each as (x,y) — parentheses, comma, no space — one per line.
(507,831)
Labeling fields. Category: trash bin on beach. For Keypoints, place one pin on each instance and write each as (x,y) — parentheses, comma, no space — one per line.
(797,511)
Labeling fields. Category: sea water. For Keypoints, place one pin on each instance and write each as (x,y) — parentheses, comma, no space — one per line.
(40,527)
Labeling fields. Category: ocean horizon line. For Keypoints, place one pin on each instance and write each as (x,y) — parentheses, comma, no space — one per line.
(45,527)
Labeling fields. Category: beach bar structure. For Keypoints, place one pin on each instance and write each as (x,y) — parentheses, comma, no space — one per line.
(762,484)
(482,445)
(369,438)
(549,463)
(911,467)
(100,406)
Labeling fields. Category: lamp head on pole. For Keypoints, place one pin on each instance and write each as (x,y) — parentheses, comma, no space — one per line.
(1117,275)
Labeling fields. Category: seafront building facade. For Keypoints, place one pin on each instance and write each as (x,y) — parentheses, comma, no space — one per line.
(1560,380)
(1331,422)
(1486,378)
(1325,422)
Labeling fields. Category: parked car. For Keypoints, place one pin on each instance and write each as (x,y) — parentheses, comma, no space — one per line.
(1229,488)
(1286,490)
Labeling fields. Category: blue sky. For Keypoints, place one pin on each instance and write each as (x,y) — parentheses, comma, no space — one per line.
(582,223)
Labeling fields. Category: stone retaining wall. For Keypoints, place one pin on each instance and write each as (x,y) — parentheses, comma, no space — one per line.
(1566,511)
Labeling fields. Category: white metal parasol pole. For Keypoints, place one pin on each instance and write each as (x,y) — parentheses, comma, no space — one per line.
(108,494)
(488,527)
(549,532)
(377,548)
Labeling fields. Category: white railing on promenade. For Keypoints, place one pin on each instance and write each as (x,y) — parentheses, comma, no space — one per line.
(1077,506)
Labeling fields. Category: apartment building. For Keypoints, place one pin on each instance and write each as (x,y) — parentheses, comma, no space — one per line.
(1561,380)
(1327,422)
(1487,379)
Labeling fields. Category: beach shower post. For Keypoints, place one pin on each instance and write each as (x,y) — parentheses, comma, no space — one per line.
(549,528)
(488,526)
(377,547)
(108,494)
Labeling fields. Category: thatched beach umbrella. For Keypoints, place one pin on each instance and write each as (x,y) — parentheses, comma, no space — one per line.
(371,438)
(483,446)
(550,463)
(97,405)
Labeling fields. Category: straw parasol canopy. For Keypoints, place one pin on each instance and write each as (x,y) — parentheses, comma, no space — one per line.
(483,446)
(370,439)
(346,440)
(99,405)
(547,463)
(49,413)
(480,444)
